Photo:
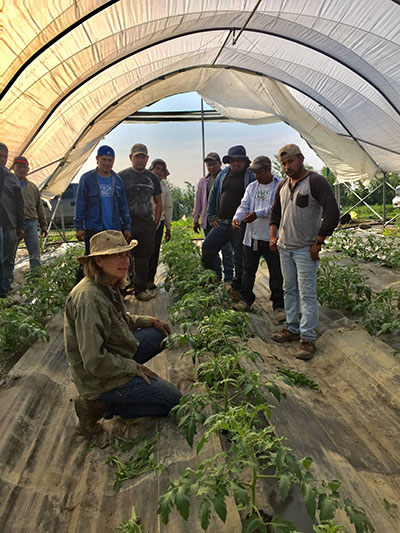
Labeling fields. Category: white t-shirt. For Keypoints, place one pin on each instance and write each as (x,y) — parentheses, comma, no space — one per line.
(260,227)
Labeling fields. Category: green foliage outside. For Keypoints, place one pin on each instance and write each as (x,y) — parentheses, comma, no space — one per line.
(234,401)
(42,296)
(183,200)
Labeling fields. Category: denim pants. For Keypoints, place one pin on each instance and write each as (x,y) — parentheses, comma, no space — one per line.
(227,259)
(300,291)
(214,242)
(31,239)
(8,251)
(136,398)
(251,259)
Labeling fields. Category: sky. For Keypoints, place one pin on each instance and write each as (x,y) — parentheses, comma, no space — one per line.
(179,143)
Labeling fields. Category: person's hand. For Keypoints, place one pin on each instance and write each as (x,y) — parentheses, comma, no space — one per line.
(196,227)
(214,224)
(167,235)
(235,224)
(161,326)
(314,251)
(80,234)
(145,373)
(127,235)
(273,245)
(43,234)
(20,234)
(250,218)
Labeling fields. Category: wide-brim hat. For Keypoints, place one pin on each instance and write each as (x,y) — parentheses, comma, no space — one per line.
(236,152)
(108,242)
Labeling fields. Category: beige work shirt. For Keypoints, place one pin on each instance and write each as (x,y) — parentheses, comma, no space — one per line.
(98,338)
(33,204)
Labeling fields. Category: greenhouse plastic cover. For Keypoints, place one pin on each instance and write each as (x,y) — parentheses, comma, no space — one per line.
(73,70)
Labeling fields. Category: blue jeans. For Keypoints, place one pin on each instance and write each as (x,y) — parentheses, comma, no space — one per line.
(136,398)
(251,259)
(227,259)
(300,291)
(214,242)
(31,239)
(8,251)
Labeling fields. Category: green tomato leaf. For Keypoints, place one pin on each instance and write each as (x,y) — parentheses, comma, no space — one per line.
(220,507)
(241,494)
(254,523)
(284,486)
(327,507)
(310,499)
(306,462)
(282,526)
(205,514)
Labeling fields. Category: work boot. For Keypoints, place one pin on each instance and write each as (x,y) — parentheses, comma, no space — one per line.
(285,335)
(306,350)
(89,412)
(242,306)
(279,315)
(234,295)
(144,296)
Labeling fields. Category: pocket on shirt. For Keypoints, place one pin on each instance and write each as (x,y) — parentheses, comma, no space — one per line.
(302,200)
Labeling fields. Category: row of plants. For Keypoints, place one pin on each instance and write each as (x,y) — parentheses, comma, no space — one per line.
(233,404)
(381,249)
(344,287)
(25,312)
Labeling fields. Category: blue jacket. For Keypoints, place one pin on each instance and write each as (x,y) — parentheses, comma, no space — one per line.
(88,213)
(215,193)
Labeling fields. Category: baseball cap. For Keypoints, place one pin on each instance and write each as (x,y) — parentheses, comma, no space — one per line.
(139,149)
(288,150)
(160,162)
(212,156)
(261,161)
(105,150)
(21,159)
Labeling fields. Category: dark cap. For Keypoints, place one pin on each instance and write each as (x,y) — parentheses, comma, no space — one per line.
(159,161)
(139,148)
(212,156)
(288,150)
(236,152)
(106,150)
(21,159)
(261,161)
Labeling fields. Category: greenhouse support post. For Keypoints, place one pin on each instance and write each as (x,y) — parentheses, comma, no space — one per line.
(384,198)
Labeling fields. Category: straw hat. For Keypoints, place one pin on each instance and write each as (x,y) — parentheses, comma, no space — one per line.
(108,242)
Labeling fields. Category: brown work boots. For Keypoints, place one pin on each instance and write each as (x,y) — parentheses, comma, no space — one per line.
(306,349)
(89,412)
(285,335)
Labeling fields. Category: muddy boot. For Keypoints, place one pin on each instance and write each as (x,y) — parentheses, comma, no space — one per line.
(89,412)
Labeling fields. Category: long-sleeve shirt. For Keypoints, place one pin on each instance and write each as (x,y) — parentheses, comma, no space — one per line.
(33,204)
(167,203)
(98,338)
(12,207)
(262,210)
(302,213)
(200,202)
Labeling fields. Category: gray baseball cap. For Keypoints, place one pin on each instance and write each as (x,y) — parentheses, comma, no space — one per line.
(139,149)
(288,150)
(261,161)
(212,156)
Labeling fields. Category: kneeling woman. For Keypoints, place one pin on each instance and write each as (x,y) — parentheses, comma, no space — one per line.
(107,347)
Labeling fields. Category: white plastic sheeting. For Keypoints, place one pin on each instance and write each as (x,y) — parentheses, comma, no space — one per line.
(72,70)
